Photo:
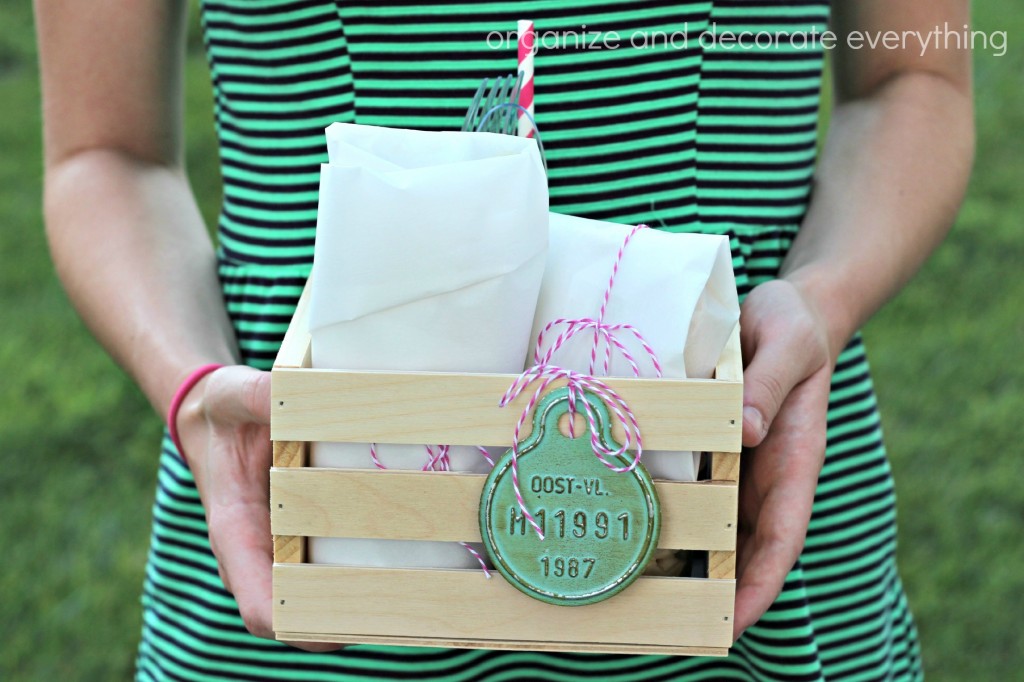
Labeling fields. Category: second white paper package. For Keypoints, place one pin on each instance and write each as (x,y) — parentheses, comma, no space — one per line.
(677,289)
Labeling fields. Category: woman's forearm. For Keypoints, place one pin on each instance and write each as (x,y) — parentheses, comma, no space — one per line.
(130,248)
(890,181)
(132,251)
(126,237)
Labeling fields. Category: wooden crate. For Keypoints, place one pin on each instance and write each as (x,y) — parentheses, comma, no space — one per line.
(460,608)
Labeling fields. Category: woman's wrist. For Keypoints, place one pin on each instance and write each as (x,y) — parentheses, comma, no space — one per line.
(186,407)
(830,301)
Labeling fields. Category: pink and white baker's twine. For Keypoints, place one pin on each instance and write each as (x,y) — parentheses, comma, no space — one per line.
(438,460)
(578,383)
(602,332)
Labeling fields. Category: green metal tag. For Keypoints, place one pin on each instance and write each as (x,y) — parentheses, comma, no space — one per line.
(601,527)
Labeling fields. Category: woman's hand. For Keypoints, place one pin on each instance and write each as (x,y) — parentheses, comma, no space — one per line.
(785,404)
(890,178)
(224,426)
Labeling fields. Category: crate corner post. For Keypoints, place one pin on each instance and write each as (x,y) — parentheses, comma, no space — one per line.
(725,465)
(295,353)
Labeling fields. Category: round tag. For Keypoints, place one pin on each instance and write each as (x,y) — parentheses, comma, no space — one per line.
(600,526)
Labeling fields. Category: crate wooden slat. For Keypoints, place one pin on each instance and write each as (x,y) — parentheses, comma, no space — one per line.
(459,608)
(416,505)
(468,608)
(462,409)
(296,349)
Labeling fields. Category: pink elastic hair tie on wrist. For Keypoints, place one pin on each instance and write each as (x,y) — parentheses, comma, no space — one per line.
(179,397)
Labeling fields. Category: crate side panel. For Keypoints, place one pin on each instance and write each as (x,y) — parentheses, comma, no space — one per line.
(730,364)
(408,505)
(452,604)
(462,409)
(296,347)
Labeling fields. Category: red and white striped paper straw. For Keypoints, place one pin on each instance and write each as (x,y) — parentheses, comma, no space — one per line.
(526,44)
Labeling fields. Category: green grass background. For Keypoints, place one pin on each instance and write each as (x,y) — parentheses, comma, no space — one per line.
(78,442)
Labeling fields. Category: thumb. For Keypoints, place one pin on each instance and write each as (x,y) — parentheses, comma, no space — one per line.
(772,374)
(240,394)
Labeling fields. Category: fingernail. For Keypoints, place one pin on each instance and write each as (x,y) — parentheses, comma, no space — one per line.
(753,416)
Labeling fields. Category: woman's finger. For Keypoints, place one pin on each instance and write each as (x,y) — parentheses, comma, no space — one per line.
(241,540)
(778,496)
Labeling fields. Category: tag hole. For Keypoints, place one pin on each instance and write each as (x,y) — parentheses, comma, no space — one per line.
(726,619)
(728,525)
(579,422)
(732,422)
(282,604)
(281,506)
(281,403)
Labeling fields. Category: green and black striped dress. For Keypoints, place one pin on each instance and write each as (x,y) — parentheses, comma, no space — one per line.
(692,138)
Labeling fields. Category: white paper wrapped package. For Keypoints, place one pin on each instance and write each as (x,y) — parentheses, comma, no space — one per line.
(677,290)
(430,249)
